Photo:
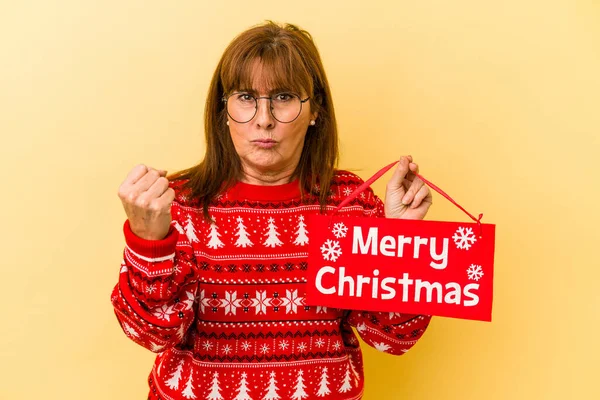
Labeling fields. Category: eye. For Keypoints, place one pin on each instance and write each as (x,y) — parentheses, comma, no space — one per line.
(244,98)
(283,97)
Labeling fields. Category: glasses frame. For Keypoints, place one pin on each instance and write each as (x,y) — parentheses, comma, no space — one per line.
(270,98)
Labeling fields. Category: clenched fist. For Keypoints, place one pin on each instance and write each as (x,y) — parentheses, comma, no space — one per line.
(147,199)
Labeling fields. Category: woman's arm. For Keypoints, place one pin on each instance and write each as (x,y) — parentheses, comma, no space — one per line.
(394,333)
(155,295)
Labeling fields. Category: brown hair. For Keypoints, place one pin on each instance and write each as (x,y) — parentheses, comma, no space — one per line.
(291,60)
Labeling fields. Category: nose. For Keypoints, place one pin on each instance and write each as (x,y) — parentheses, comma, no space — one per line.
(264,118)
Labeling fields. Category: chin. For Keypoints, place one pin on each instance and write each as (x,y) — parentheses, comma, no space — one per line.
(264,163)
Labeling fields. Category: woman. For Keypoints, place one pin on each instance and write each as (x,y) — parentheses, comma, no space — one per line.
(214,272)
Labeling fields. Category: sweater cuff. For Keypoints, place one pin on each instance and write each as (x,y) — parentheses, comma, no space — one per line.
(152,250)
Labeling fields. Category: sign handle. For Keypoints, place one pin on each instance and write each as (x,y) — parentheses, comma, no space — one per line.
(385,169)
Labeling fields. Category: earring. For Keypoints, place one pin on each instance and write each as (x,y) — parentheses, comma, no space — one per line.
(312,122)
(227,123)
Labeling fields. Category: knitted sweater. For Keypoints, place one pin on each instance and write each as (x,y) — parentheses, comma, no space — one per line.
(223,305)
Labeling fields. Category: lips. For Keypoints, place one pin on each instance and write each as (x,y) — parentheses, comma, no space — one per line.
(264,143)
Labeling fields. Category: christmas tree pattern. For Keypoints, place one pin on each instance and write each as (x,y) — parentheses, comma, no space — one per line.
(272,389)
(215,389)
(301,238)
(354,371)
(188,392)
(346,386)
(243,239)
(173,382)
(179,228)
(272,239)
(242,391)
(324,384)
(214,242)
(190,232)
(300,393)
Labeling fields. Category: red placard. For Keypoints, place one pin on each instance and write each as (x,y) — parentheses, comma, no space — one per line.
(421,267)
(412,266)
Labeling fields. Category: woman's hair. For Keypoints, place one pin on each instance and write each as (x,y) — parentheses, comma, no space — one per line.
(289,60)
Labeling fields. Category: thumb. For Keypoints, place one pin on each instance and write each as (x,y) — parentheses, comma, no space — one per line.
(399,174)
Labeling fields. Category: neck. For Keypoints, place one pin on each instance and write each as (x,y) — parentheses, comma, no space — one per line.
(267,178)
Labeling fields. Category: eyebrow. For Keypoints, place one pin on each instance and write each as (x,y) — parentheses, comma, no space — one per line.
(271,92)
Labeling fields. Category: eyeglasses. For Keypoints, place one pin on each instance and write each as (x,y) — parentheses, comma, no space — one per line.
(285,107)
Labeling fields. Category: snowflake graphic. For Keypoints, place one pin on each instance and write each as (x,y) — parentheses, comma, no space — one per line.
(337,345)
(331,250)
(347,191)
(264,348)
(381,346)
(246,346)
(130,331)
(320,343)
(339,230)
(283,345)
(207,345)
(475,272)
(227,349)
(164,312)
(464,238)
(302,347)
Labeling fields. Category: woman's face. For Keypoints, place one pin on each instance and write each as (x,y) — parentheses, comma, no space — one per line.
(269,150)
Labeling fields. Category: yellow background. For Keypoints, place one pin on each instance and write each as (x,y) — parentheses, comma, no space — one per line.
(498,102)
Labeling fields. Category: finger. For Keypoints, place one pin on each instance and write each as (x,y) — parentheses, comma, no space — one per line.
(161,203)
(414,188)
(146,181)
(421,195)
(158,188)
(136,174)
(413,170)
(399,174)
(167,197)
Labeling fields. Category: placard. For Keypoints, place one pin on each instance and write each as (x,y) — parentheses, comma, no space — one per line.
(422,267)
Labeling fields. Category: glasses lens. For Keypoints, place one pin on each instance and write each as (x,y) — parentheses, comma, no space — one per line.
(241,107)
(285,107)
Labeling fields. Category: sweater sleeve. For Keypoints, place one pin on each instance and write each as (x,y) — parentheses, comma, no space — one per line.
(154,298)
(393,333)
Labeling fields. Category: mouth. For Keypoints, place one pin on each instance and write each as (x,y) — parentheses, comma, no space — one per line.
(264,143)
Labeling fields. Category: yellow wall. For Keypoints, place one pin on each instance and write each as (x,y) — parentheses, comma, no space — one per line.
(498,101)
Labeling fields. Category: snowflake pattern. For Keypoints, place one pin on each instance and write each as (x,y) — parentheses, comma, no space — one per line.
(331,250)
(164,312)
(264,348)
(207,345)
(302,347)
(292,301)
(320,343)
(226,349)
(339,230)
(283,345)
(381,346)
(246,346)
(464,238)
(475,272)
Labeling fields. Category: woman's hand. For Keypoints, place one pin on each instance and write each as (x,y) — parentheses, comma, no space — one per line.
(406,196)
(147,199)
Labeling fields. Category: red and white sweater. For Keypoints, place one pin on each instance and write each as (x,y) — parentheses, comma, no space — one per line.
(223,305)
